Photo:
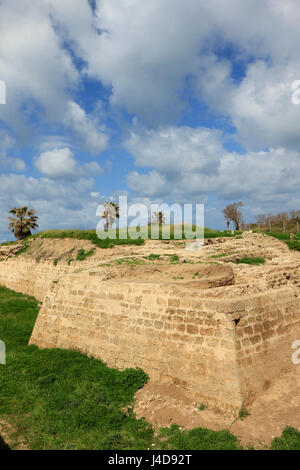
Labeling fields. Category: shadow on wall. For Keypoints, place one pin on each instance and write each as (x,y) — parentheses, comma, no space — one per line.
(3,445)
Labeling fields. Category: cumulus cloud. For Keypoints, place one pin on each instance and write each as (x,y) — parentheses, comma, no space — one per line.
(7,144)
(146,59)
(60,164)
(238,58)
(36,68)
(91,136)
(190,163)
(58,205)
(93,168)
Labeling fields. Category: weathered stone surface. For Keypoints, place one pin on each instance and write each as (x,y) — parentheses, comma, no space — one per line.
(222,335)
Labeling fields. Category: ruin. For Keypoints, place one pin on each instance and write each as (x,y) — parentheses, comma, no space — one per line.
(220,330)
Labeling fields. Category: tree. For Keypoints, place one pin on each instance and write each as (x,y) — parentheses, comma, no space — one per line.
(110,214)
(295,215)
(226,213)
(22,222)
(269,220)
(261,221)
(283,218)
(232,214)
(158,218)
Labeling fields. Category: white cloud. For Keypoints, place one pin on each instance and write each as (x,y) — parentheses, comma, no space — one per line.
(91,136)
(239,57)
(58,164)
(58,205)
(36,68)
(190,163)
(93,168)
(7,145)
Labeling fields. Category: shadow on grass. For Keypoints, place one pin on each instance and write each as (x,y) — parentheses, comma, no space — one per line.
(3,445)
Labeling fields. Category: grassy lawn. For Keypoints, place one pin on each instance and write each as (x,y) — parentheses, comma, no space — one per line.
(58,399)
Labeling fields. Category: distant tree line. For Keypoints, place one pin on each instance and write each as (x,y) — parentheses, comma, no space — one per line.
(283,221)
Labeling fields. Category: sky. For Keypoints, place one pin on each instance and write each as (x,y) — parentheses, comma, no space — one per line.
(174,101)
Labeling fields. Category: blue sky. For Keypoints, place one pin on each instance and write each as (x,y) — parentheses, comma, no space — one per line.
(166,101)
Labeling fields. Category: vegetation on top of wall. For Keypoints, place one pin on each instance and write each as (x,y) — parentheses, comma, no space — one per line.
(91,235)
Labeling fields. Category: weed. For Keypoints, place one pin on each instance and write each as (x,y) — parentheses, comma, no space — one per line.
(62,256)
(82,254)
(223,255)
(130,261)
(152,257)
(252,261)
(243,413)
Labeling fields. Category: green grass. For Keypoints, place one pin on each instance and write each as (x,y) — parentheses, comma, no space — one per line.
(82,254)
(285,237)
(209,233)
(252,261)
(223,255)
(152,257)
(243,413)
(55,262)
(90,235)
(130,261)
(196,439)
(62,399)
(289,440)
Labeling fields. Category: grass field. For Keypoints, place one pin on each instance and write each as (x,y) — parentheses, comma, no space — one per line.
(110,241)
(58,399)
(285,237)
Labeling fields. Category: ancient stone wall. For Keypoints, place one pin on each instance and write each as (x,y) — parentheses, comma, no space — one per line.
(164,329)
(26,275)
(223,344)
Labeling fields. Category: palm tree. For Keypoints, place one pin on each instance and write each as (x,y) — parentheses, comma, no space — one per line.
(23,222)
(158,218)
(110,214)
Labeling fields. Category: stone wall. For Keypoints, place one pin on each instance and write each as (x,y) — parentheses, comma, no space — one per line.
(162,328)
(30,277)
(224,345)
